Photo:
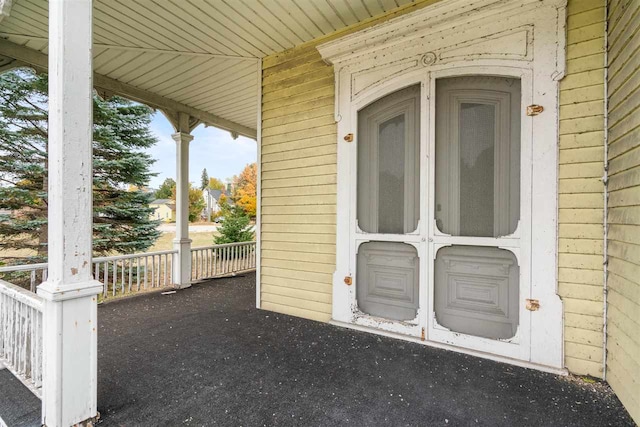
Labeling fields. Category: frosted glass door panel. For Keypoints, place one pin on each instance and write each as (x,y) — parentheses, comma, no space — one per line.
(387,280)
(477,137)
(477,291)
(477,156)
(388,163)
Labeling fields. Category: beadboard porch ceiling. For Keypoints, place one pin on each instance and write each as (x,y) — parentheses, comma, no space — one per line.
(202,54)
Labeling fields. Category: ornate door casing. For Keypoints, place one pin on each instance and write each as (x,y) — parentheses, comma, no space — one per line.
(521,39)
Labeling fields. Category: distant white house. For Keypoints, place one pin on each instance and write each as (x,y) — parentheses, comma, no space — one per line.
(211,203)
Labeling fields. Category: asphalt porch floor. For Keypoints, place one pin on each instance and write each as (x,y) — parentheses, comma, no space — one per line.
(205,356)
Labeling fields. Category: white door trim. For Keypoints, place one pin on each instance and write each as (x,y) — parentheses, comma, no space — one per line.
(516,37)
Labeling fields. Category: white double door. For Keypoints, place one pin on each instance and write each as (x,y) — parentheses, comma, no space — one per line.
(441,213)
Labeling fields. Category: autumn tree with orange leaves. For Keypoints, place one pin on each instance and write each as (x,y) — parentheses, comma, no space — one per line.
(245,189)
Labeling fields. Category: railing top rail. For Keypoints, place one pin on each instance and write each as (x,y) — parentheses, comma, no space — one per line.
(225,245)
(23,267)
(136,255)
(41,266)
(21,295)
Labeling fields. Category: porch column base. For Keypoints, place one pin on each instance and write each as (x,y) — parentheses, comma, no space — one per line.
(70,341)
(182,263)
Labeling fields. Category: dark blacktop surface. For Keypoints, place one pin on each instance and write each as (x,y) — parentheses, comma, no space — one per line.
(18,406)
(205,356)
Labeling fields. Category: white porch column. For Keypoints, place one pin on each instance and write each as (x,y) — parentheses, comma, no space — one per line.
(182,243)
(70,310)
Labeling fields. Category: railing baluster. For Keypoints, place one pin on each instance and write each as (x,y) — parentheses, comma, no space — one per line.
(122,288)
(206,254)
(196,263)
(146,268)
(166,263)
(215,262)
(130,273)
(33,281)
(106,279)
(153,269)
(114,285)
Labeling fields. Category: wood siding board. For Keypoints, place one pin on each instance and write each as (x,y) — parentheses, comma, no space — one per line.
(623,297)
(581,231)
(584,367)
(583,321)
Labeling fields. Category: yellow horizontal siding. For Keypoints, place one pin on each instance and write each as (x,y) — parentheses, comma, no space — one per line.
(623,308)
(581,190)
(298,182)
(298,199)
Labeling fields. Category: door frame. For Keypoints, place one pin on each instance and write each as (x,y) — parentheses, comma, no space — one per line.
(518,243)
(491,35)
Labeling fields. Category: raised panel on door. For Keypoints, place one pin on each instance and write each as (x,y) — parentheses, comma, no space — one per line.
(476,291)
(388,280)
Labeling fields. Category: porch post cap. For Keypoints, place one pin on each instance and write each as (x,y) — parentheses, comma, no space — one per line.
(182,137)
(55,291)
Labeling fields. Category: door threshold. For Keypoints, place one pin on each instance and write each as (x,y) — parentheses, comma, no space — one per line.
(483,355)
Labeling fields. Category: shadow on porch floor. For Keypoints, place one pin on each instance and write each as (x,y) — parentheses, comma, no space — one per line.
(206,356)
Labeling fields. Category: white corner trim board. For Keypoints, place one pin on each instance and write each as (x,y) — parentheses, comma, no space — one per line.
(523,39)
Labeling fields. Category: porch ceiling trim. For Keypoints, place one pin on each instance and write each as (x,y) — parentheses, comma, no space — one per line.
(40,61)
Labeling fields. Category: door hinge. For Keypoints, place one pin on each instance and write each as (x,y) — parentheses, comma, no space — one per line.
(533,304)
(347,280)
(348,137)
(534,110)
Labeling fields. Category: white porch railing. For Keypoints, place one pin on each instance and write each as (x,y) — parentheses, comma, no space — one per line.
(119,274)
(222,260)
(125,274)
(21,334)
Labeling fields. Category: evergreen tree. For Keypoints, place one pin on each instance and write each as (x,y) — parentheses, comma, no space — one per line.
(235,227)
(122,221)
(166,189)
(204,179)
